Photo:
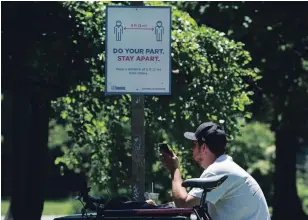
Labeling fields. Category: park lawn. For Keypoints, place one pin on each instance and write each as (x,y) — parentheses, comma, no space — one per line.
(57,207)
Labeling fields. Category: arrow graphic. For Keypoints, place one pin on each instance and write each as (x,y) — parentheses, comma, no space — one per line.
(135,28)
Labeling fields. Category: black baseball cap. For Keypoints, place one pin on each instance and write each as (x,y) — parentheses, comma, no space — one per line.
(209,133)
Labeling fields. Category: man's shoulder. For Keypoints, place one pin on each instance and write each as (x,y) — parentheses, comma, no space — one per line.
(222,162)
(225,165)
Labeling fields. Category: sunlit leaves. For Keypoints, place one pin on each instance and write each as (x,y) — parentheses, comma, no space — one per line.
(208,85)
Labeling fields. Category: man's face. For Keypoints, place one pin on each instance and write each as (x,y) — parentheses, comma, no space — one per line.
(197,154)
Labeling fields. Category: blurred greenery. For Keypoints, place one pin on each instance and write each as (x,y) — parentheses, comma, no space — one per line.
(214,78)
(104,144)
(276,36)
(254,150)
(211,73)
(52,207)
(302,187)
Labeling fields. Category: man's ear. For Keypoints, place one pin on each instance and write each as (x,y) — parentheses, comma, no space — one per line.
(204,148)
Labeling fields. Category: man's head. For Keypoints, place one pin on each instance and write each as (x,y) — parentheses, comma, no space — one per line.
(209,142)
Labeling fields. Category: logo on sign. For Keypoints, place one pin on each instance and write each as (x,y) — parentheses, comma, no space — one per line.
(118,88)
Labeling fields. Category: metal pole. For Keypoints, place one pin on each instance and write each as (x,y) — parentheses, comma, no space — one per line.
(138,161)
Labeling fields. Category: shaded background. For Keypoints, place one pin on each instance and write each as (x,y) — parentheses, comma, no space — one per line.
(52,83)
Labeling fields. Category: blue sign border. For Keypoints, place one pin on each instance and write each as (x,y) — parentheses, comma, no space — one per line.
(106,49)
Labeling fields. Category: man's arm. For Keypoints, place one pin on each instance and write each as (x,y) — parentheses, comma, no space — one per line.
(181,198)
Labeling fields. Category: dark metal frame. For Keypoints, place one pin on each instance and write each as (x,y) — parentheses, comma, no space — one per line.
(201,211)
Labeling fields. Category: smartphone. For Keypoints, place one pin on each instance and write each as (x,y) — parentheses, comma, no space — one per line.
(164,148)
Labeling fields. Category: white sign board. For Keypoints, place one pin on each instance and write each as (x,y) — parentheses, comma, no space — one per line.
(138,50)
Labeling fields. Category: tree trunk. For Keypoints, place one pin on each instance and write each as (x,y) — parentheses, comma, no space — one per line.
(30,139)
(287,204)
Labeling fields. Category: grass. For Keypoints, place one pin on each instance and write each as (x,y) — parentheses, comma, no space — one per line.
(58,207)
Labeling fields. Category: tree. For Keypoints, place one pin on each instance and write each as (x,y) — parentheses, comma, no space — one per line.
(276,36)
(39,62)
(208,83)
(59,55)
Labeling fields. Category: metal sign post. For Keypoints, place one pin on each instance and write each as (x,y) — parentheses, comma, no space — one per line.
(138,62)
(138,133)
(138,161)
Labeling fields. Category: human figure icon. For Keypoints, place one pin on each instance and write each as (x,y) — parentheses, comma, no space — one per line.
(159,31)
(118,30)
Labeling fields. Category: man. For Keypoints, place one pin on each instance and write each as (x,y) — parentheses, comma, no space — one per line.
(239,197)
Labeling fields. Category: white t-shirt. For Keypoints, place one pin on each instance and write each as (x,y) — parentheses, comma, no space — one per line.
(239,197)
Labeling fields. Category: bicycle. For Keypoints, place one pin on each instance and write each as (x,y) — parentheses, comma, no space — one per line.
(98,204)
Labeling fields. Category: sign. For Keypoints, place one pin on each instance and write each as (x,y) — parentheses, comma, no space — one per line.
(138,50)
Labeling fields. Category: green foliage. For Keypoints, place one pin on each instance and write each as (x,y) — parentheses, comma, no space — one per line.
(279,49)
(208,83)
(254,150)
(58,135)
(51,207)
(302,190)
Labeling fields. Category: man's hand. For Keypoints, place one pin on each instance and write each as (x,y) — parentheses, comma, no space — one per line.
(171,162)
(151,202)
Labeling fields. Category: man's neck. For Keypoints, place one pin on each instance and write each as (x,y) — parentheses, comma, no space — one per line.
(210,161)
